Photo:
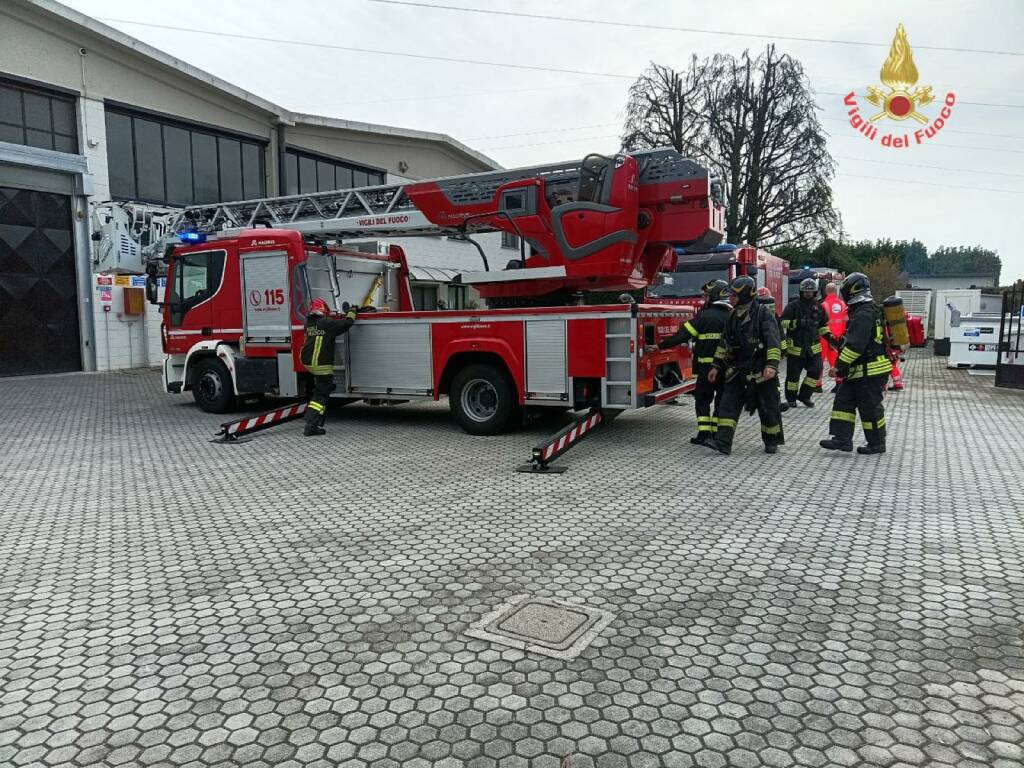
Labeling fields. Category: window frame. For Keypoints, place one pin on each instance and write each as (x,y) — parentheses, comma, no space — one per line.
(298,154)
(177,307)
(218,135)
(23,86)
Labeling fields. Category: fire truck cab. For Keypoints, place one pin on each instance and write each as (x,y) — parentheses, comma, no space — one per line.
(233,325)
(693,269)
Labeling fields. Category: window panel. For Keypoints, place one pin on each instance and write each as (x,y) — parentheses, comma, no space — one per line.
(204,168)
(120,155)
(343,176)
(291,173)
(41,139)
(360,179)
(37,112)
(65,143)
(10,106)
(307,174)
(178,165)
(230,155)
(63,117)
(149,160)
(324,176)
(12,133)
(252,171)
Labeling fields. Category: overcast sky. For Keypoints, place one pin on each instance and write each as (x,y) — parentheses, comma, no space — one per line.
(971,193)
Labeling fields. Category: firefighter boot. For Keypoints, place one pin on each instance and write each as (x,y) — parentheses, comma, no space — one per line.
(786,405)
(771,448)
(870,449)
(702,438)
(833,444)
(806,400)
(314,422)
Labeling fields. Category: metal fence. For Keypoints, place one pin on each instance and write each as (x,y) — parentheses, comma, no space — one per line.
(1010,362)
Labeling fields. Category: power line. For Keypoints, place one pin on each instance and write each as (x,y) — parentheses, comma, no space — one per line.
(665,28)
(934,167)
(427,57)
(931,184)
(537,133)
(374,51)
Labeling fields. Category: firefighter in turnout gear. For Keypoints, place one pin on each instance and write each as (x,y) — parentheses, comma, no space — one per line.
(804,324)
(706,331)
(864,368)
(318,356)
(747,360)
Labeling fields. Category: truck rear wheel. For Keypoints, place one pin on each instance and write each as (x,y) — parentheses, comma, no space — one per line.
(483,399)
(212,387)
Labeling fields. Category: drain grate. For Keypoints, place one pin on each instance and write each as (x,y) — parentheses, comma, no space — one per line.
(542,625)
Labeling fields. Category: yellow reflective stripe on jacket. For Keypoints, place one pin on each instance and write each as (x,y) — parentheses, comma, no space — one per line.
(849,416)
(708,336)
(315,406)
(690,329)
(315,358)
(792,386)
(867,425)
(794,351)
(320,370)
(880,423)
(773,353)
(816,349)
(823,330)
(705,360)
(720,353)
(812,382)
(848,355)
(786,324)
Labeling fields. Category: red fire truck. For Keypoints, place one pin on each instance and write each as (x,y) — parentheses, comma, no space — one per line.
(240,276)
(694,268)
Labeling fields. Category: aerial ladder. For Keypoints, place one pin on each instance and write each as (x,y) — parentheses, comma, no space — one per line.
(603,224)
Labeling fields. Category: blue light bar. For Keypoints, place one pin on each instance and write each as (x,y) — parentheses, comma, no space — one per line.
(192,237)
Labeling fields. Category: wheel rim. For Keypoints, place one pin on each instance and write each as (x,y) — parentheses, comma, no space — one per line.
(479,400)
(210,387)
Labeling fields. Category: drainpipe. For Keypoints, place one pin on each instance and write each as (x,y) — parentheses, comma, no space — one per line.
(282,182)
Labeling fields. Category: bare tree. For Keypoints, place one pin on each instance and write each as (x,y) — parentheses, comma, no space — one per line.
(753,121)
(886,277)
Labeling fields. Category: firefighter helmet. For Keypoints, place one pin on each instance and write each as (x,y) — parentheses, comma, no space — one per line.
(764,293)
(856,288)
(717,290)
(318,307)
(809,285)
(743,288)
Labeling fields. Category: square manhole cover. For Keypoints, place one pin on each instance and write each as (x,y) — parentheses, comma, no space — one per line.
(542,625)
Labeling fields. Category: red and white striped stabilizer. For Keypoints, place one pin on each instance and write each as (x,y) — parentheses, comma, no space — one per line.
(232,430)
(561,443)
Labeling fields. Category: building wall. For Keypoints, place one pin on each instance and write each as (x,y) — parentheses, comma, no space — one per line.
(424,159)
(950,282)
(44,48)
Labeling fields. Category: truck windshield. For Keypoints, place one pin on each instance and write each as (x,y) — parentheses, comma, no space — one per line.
(680,285)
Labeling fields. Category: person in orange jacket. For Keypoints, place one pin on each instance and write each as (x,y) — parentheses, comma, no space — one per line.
(835,308)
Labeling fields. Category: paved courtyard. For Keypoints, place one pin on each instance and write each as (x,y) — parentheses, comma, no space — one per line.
(169,601)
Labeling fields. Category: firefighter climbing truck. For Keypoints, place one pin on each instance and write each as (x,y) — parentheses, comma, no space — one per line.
(240,276)
(695,266)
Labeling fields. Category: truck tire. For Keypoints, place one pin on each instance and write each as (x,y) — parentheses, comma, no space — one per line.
(483,399)
(212,387)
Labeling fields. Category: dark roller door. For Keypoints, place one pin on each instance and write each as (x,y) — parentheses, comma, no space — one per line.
(38,300)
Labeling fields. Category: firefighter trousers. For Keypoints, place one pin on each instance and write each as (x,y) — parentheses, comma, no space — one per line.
(864,395)
(316,411)
(706,395)
(734,397)
(797,364)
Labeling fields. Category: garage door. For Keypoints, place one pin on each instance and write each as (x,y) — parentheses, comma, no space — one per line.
(38,299)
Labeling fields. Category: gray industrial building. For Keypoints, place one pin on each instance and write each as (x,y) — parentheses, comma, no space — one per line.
(89,114)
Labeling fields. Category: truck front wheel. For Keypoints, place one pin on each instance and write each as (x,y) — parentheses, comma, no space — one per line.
(483,399)
(212,387)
